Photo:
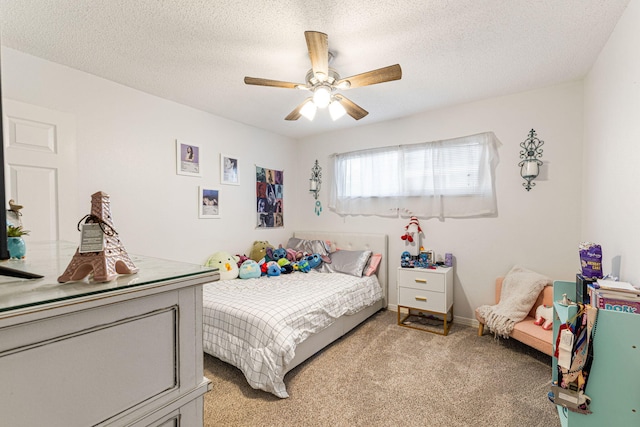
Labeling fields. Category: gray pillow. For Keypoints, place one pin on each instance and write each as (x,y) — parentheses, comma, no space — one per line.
(348,262)
(309,246)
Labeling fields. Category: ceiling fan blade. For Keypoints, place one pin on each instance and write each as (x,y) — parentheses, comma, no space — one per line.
(381,75)
(295,114)
(318,45)
(354,110)
(272,83)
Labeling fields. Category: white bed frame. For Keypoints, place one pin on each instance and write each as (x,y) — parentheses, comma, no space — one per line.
(377,243)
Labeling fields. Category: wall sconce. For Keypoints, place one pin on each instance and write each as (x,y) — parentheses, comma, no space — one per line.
(530,166)
(316,180)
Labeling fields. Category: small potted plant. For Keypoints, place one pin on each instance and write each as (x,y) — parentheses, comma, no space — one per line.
(15,242)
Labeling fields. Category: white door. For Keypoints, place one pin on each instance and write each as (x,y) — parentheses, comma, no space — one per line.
(41,172)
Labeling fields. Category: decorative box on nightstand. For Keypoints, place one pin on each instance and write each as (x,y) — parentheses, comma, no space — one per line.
(424,294)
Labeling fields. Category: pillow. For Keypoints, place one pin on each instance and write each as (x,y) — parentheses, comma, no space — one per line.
(372,265)
(309,246)
(348,262)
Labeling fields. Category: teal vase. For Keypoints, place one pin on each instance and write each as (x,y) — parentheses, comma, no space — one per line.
(17,247)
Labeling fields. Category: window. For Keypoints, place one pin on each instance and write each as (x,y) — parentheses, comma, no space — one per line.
(451,178)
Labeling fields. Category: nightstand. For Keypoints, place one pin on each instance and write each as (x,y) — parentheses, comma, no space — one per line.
(425,292)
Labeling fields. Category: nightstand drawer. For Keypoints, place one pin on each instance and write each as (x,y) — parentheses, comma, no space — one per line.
(425,300)
(421,279)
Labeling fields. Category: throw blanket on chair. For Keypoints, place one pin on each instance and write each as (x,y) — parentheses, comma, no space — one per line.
(520,289)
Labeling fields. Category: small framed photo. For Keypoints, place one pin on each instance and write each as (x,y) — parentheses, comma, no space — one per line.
(229,173)
(208,202)
(188,157)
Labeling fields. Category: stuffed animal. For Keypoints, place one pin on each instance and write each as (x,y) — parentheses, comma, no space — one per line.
(302,265)
(226,264)
(285,265)
(273,269)
(241,259)
(405,259)
(294,255)
(314,260)
(544,317)
(276,254)
(259,250)
(249,270)
(411,229)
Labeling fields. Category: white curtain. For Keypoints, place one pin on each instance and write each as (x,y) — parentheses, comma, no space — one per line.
(451,178)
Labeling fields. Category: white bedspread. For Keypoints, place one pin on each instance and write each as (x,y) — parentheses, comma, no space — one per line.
(255,324)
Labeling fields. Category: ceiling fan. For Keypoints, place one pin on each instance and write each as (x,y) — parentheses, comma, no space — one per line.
(324,82)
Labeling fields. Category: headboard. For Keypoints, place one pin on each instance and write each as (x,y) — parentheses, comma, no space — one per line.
(376,243)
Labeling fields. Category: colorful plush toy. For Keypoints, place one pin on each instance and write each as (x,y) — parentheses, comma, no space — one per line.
(241,259)
(405,259)
(544,316)
(314,260)
(226,264)
(249,270)
(411,229)
(276,254)
(259,250)
(273,269)
(294,255)
(285,265)
(302,265)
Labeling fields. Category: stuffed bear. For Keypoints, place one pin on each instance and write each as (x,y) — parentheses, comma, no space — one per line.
(249,270)
(226,264)
(544,317)
(259,250)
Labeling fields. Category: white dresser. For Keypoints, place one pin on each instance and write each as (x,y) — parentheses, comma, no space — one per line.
(423,293)
(122,353)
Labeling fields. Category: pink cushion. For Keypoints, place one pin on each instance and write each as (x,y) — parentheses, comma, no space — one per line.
(527,331)
(533,335)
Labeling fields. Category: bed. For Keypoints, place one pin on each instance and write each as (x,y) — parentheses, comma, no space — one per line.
(265,327)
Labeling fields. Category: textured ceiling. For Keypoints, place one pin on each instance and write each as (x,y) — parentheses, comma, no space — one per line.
(197,52)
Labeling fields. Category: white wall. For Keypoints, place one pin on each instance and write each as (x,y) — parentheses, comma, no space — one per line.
(126,147)
(610,196)
(538,229)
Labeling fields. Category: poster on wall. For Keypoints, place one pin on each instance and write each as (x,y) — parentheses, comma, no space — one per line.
(208,202)
(269,191)
(187,158)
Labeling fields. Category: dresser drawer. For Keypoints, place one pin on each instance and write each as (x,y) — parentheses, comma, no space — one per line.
(425,300)
(421,279)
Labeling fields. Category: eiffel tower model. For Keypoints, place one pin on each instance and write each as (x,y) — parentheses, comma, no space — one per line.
(108,263)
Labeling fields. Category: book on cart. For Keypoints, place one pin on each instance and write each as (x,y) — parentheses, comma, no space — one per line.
(616,300)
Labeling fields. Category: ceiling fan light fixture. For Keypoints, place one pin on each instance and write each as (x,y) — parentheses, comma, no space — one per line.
(309,109)
(322,96)
(336,110)
(345,84)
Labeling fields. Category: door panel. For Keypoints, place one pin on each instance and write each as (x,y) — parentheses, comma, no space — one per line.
(41,161)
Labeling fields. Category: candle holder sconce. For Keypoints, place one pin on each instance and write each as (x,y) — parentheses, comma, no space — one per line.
(316,180)
(531,154)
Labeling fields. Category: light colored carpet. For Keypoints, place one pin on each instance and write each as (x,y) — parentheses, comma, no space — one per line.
(382,374)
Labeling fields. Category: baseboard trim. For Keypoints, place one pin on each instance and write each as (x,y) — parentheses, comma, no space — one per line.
(456,319)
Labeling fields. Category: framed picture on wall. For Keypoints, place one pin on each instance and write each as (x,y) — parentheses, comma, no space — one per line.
(208,202)
(269,198)
(188,157)
(229,172)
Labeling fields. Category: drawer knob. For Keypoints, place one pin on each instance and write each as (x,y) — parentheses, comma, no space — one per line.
(421,280)
(421,299)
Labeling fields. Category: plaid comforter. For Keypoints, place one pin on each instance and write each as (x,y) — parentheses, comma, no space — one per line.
(256,324)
